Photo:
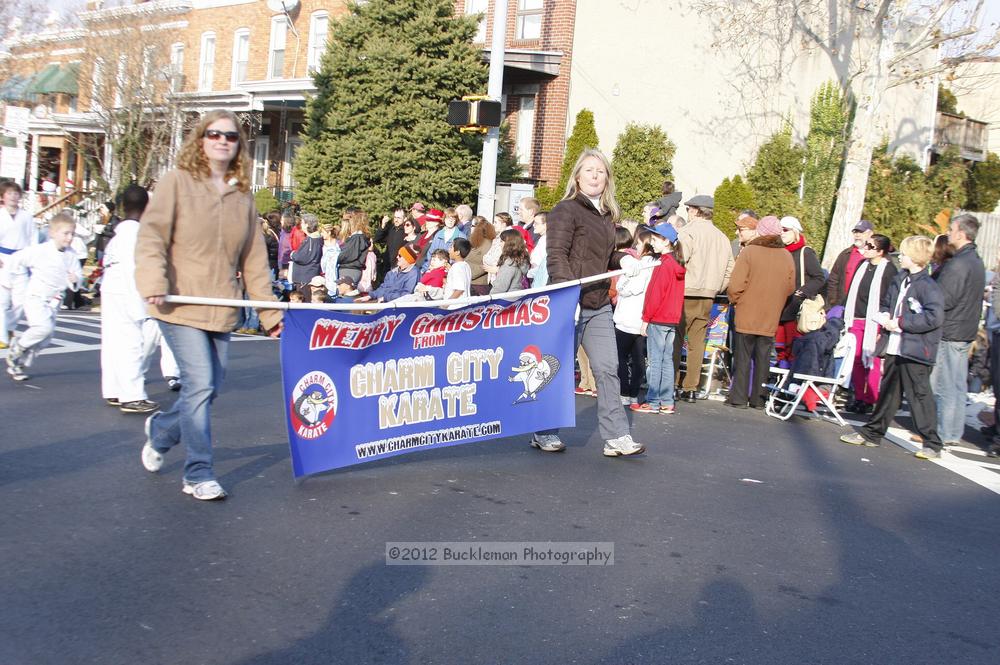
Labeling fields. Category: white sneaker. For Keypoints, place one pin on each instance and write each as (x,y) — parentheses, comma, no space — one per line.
(151,459)
(550,443)
(16,372)
(206,490)
(623,445)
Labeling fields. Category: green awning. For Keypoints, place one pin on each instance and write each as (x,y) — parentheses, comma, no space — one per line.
(65,80)
(14,89)
(55,78)
(39,80)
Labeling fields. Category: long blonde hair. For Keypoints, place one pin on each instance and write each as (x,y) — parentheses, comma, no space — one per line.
(608,201)
(356,222)
(192,157)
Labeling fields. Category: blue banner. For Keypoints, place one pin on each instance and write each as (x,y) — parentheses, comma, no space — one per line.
(367,387)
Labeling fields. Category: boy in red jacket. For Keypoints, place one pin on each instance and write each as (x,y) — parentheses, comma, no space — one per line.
(661,312)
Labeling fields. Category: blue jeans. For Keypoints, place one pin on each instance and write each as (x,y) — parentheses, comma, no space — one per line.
(949,383)
(250,319)
(660,365)
(201,356)
(596,332)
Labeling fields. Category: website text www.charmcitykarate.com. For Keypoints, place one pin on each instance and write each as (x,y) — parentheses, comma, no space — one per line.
(410,441)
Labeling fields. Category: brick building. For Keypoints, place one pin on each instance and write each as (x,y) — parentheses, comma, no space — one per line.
(244,56)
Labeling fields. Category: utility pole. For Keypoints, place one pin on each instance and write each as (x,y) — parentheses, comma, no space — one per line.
(488,173)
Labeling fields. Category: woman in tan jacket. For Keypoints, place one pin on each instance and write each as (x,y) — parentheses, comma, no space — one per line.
(198,237)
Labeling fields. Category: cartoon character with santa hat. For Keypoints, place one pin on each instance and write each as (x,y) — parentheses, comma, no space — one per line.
(535,372)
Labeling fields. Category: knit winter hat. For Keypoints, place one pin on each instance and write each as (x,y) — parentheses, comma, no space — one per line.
(769,226)
(409,254)
(790,222)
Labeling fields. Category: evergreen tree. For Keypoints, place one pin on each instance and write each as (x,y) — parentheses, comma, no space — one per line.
(642,160)
(775,176)
(898,201)
(824,154)
(947,179)
(376,126)
(584,135)
(265,201)
(984,184)
(947,102)
(730,197)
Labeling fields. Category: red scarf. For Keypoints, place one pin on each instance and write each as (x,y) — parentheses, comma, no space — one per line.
(798,244)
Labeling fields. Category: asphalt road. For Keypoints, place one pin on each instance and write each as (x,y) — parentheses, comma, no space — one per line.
(738,539)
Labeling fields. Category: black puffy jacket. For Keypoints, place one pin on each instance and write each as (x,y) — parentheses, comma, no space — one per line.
(921,317)
(962,280)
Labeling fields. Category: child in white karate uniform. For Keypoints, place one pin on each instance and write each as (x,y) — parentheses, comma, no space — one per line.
(51,268)
(17,231)
(129,336)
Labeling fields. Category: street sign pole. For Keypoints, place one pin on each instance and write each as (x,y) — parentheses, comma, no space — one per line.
(488,173)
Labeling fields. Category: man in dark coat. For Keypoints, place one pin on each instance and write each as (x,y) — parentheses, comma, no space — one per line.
(962,280)
(393,237)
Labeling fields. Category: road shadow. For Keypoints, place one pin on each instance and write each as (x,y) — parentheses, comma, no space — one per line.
(361,626)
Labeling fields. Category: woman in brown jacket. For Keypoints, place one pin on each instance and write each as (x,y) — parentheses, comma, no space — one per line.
(763,278)
(482,237)
(581,239)
(197,237)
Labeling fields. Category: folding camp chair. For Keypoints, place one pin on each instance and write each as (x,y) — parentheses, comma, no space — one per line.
(787,389)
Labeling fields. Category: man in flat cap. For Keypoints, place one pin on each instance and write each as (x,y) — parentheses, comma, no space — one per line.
(708,258)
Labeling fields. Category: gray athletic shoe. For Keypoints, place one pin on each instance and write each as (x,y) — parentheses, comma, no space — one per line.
(139,406)
(550,443)
(622,446)
(206,490)
(15,371)
(858,440)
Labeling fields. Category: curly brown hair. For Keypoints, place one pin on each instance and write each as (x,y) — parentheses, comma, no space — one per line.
(482,231)
(192,158)
(514,248)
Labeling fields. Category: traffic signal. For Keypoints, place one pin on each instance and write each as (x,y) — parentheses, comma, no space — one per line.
(474,114)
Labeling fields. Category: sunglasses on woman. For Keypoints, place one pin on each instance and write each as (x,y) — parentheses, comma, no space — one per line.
(868,245)
(217,135)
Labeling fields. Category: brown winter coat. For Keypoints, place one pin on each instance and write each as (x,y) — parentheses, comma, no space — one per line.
(580,243)
(192,242)
(762,279)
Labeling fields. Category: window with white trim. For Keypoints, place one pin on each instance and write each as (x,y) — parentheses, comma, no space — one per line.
(241,56)
(120,80)
(148,68)
(176,67)
(529,19)
(525,130)
(478,7)
(291,151)
(276,60)
(97,86)
(319,25)
(260,148)
(206,64)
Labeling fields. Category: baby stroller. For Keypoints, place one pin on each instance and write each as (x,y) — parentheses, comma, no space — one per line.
(823,362)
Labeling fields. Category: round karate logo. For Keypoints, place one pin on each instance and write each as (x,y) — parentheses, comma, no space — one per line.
(313,405)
